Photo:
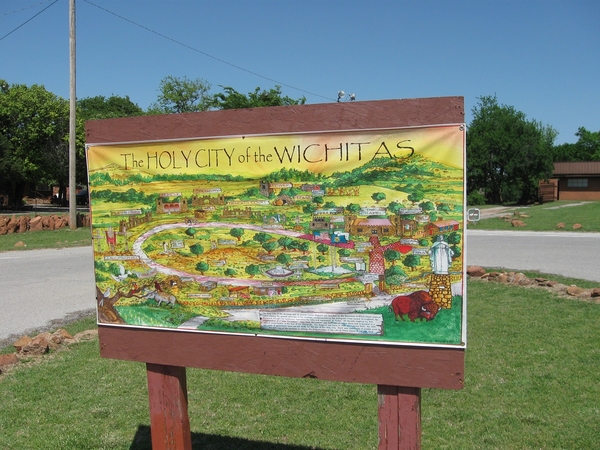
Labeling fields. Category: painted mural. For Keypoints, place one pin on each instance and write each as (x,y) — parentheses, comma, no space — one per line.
(351,236)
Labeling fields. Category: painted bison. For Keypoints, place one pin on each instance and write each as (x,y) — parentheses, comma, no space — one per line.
(418,305)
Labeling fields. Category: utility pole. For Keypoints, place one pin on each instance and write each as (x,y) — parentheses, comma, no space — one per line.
(72,123)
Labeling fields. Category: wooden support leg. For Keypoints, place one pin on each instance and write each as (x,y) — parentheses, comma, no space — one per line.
(399,417)
(169,420)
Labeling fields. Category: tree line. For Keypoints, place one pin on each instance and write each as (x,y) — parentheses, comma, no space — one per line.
(34,126)
(507,153)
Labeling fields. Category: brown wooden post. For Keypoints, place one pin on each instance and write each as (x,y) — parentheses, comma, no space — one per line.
(169,420)
(399,410)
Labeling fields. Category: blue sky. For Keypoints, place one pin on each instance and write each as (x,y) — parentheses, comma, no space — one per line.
(540,56)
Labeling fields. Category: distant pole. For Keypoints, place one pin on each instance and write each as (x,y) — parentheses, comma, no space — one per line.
(72,123)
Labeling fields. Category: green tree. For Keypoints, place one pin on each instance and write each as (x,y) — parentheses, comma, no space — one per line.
(261,237)
(100,107)
(196,249)
(587,148)
(269,246)
(284,258)
(392,255)
(230,272)
(344,252)
(237,233)
(309,209)
(507,154)
(252,270)
(191,232)
(395,207)
(427,206)
(304,247)
(181,95)
(202,267)
(454,238)
(322,248)
(412,261)
(415,196)
(34,124)
(378,196)
(285,242)
(394,276)
(232,99)
(353,208)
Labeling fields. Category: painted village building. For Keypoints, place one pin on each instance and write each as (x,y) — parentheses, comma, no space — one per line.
(163,207)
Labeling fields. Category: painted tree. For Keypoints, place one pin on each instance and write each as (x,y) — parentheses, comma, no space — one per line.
(202,267)
(270,246)
(453,238)
(252,270)
(304,247)
(237,233)
(344,252)
(191,232)
(322,248)
(284,258)
(230,272)
(378,196)
(392,255)
(394,276)
(412,261)
(261,237)
(285,242)
(415,196)
(353,208)
(196,249)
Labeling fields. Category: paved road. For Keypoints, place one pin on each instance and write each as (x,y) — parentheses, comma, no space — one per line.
(564,253)
(39,286)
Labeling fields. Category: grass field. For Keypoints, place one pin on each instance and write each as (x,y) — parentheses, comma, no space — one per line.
(532,382)
(65,237)
(547,216)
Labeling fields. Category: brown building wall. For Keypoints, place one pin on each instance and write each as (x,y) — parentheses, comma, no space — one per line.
(591,192)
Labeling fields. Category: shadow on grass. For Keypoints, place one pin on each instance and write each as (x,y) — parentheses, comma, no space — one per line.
(143,441)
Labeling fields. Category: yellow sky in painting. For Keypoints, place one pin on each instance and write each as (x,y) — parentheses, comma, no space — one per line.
(256,156)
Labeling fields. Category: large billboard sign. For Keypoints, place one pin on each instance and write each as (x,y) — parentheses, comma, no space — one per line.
(339,236)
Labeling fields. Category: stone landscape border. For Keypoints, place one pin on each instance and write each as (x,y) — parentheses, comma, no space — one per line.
(23,223)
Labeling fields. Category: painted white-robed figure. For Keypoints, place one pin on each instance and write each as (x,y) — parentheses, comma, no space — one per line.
(440,256)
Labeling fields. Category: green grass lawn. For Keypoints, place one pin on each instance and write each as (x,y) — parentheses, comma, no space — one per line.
(545,217)
(64,237)
(532,382)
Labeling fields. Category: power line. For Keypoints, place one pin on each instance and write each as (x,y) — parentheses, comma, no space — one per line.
(204,53)
(25,8)
(29,20)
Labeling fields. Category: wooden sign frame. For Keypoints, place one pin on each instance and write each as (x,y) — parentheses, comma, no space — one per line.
(399,371)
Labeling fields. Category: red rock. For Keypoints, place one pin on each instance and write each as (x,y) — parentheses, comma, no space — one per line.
(21,342)
(35,224)
(8,359)
(518,223)
(37,346)
(574,290)
(46,222)
(560,225)
(577,226)
(595,292)
(475,271)
(23,224)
